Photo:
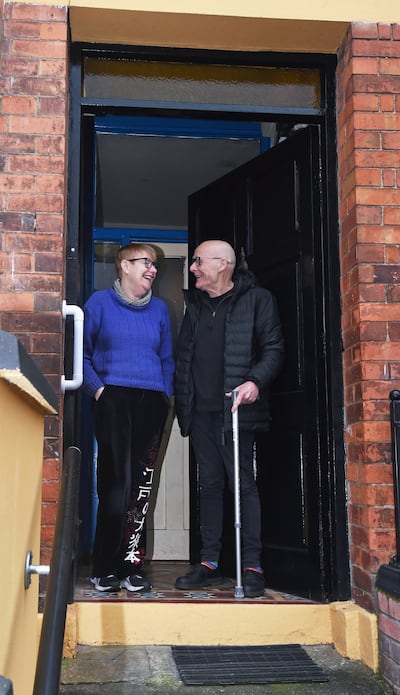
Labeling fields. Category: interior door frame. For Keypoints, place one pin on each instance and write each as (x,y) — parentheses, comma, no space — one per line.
(81,108)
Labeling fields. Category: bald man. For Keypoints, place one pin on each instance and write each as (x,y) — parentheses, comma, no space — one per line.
(230,339)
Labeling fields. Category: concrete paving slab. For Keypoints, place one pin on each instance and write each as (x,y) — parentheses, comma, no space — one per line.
(151,670)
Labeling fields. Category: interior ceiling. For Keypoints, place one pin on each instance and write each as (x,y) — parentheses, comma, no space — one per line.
(144,181)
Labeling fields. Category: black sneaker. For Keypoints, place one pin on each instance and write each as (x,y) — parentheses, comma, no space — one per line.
(253,584)
(136,582)
(109,583)
(198,577)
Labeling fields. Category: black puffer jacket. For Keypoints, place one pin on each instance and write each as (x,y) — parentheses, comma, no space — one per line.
(253,352)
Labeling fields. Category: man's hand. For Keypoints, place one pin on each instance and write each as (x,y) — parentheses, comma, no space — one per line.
(246,393)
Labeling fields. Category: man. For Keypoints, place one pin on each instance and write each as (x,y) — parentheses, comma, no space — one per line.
(230,340)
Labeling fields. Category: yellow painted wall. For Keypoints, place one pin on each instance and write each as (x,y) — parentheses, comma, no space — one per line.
(290,26)
(21,451)
(340,10)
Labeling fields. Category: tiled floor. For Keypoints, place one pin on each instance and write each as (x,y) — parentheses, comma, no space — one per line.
(162,575)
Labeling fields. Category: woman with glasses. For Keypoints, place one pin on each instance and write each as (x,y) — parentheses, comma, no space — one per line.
(128,371)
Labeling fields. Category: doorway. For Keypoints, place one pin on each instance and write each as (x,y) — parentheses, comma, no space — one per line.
(252,129)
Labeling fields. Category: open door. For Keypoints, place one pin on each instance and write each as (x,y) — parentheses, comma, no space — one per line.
(271,208)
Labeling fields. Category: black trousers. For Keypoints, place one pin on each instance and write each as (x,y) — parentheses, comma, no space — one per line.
(128,424)
(214,457)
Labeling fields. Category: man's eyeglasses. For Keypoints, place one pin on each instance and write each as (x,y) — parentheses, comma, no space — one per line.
(147,261)
(199,259)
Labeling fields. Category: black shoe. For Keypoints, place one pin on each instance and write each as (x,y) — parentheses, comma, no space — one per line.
(109,583)
(253,584)
(136,582)
(198,577)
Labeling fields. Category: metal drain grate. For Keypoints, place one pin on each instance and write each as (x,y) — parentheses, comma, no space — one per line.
(288,663)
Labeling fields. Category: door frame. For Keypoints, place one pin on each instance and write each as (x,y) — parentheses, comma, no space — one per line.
(325,118)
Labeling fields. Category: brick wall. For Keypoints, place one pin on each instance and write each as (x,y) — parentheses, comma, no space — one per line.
(389,639)
(369,199)
(33,118)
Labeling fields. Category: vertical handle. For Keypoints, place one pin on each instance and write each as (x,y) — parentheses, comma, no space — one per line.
(77,371)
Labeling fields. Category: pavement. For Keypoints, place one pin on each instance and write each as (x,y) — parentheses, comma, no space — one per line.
(151,670)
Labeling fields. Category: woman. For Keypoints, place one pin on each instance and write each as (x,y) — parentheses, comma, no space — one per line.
(128,370)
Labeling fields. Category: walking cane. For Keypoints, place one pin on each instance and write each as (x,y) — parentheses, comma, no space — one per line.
(239,593)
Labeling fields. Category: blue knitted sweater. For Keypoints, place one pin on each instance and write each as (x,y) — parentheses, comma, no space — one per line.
(126,345)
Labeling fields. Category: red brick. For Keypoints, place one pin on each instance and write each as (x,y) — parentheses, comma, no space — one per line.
(378,496)
(41,203)
(367,177)
(48,263)
(387,102)
(369,214)
(49,513)
(18,105)
(17,143)
(367,140)
(36,164)
(371,292)
(389,626)
(37,124)
(383,602)
(50,184)
(392,255)
(41,86)
(53,32)
(391,141)
(38,13)
(390,66)
(394,612)
(51,144)
(372,158)
(18,301)
(385,31)
(366,102)
(394,331)
(365,66)
(51,468)
(21,30)
(391,215)
(52,106)
(15,182)
(50,491)
(389,178)
(39,49)
(367,30)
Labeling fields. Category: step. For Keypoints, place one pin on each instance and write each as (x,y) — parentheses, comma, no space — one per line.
(351,629)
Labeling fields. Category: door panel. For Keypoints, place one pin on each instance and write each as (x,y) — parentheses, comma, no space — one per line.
(272,207)
(168,516)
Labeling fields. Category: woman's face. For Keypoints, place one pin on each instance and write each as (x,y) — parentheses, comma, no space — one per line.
(137,276)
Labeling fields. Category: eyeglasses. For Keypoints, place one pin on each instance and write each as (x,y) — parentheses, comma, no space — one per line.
(147,261)
(199,259)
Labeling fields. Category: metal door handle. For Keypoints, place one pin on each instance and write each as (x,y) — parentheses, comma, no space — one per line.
(77,372)
(33,569)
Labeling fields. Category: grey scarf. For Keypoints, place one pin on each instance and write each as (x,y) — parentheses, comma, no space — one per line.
(137,302)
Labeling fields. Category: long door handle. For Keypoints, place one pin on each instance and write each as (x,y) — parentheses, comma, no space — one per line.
(77,371)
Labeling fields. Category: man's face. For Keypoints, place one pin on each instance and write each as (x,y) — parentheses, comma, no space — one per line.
(204,266)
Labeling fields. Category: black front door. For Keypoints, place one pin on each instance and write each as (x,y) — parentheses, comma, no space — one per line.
(270,209)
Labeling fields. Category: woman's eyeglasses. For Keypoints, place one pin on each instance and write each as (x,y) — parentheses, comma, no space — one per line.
(147,261)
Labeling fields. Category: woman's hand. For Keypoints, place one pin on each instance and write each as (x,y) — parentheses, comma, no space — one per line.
(98,393)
